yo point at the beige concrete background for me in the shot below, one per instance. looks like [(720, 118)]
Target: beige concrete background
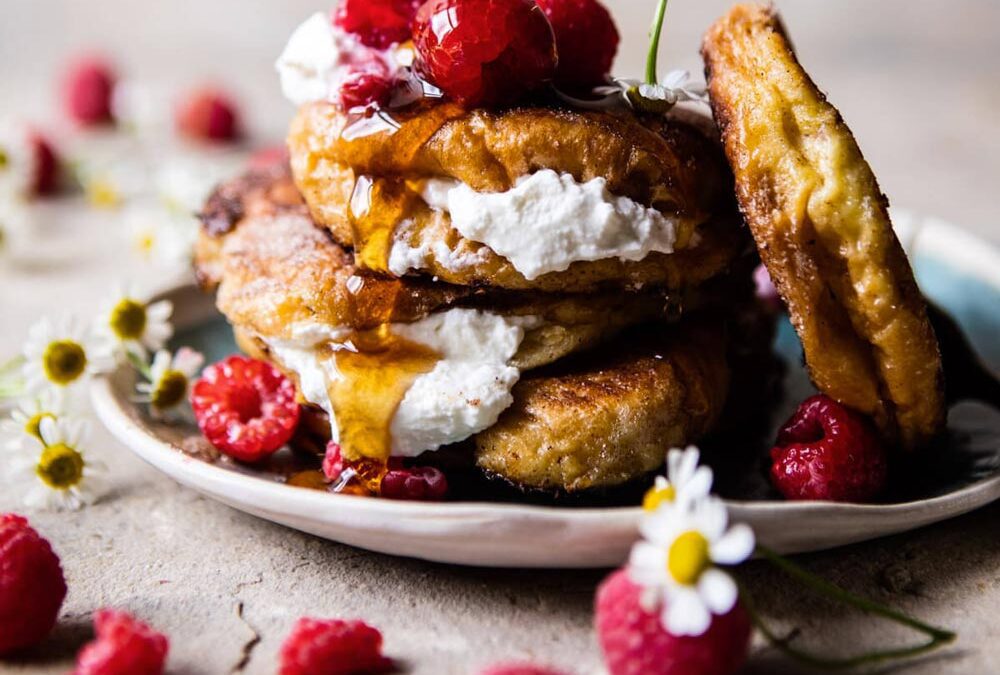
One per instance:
[(918, 80)]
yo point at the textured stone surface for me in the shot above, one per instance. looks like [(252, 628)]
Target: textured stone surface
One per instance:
[(227, 587)]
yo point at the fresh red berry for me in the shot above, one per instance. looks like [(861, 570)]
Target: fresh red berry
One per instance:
[(377, 23), (87, 88), (32, 587), (366, 85), (246, 408), (484, 52), (419, 483), (269, 157), (333, 462), (586, 40), (635, 643), (828, 452), (520, 669), (124, 646), (45, 180), (208, 115), (333, 647)]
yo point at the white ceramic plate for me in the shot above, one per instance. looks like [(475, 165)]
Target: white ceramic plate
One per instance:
[(955, 269)]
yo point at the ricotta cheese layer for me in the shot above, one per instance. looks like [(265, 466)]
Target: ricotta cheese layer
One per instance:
[(548, 221), (464, 394)]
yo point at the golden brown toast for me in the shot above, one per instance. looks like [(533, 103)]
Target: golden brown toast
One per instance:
[(822, 228)]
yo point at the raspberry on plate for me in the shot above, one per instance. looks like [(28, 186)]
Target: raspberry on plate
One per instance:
[(209, 115), (87, 88), (634, 642), (484, 52), (377, 23), (246, 408), (124, 646), (586, 40), (418, 483), (32, 586), (333, 647), (826, 451)]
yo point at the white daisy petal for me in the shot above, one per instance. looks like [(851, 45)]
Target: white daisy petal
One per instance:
[(734, 546), (718, 590), (700, 484), (48, 430), (686, 614)]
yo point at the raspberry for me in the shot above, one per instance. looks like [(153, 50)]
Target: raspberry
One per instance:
[(269, 157), (635, 643), (87, 90), (332, 647), (124, 646), (366, 85), (377, 23), (333, 462), (586, 40), (208, 115), (45, 180), (826, 451), (484, 52), (419, 483), (246, 408), (520, 669), (32, 587)]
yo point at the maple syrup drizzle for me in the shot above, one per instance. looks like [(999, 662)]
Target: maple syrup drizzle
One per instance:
[(370, 373), (377, 208)]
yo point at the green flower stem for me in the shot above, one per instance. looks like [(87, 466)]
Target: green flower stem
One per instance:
[(654, 42), (11, 381), (936, 636), (140, 365)]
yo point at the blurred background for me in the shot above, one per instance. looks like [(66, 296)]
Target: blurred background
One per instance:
[(917, 80)]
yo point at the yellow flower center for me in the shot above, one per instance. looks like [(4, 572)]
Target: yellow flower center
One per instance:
[(33, 427), (64, 361), (3, 159), (128, 319), (145, 242), (102, 194), (60, 467), (170, 390), (656, 496), (688, 557)]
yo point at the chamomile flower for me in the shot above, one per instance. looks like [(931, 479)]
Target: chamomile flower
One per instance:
[(685, 481), (65, 478), (61, 354), (134, 325), (675, 563), (22, 429), (160, 236), (170, 378)]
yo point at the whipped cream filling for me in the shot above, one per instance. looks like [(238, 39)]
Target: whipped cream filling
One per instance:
[(545, 223), (319, 56), (464, 394)]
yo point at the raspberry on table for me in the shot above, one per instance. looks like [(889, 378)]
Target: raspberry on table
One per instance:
[(333, 647), (32, 586), (586, 40), (826, 451), (635, 643), (418, 483), (377, 23), (123, 646), (87, 89), (45, 180), (208, 115), (492, 52), (246, 408)]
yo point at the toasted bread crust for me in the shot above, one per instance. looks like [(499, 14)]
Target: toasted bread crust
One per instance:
[(666, 164), (822, 228)]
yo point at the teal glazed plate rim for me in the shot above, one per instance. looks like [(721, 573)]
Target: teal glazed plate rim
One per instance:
[(957, 270)]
